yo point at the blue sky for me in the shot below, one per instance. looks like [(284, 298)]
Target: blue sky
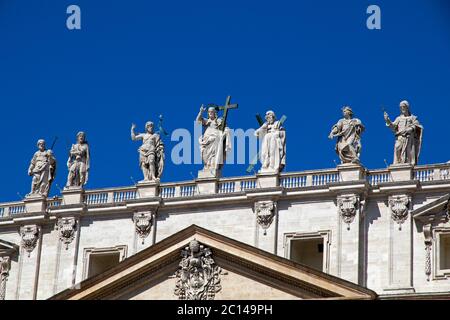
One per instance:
[(133, 60)]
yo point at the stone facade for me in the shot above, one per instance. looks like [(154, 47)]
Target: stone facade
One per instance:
[(380, 228)]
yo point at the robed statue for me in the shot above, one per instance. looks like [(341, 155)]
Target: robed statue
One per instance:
[(42, 169), (151, 152), (78, 162), (273, 144), (408, 136), (348, 133), (214, 143)]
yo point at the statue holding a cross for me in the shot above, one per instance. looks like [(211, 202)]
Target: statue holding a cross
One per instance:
[(273, 144), (215, 141)]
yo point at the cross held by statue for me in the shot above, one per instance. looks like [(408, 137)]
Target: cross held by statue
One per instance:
[(225, 109)]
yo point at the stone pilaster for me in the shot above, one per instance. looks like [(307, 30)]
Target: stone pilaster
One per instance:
[(400, 245), (67, 252), (350, 207), (351, 193), (31, 236)]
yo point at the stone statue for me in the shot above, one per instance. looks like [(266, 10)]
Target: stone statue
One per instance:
[(348, 133), (408, 135), (273, 145), (151, 152), (42, 169), (78, 162), (214, 143)]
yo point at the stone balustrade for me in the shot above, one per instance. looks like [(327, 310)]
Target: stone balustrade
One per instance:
[(186, 189)]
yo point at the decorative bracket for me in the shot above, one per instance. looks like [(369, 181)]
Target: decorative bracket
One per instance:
[(399, 206), (67, 228), (143, 222), (30, 236), (348, 205), (265, 212)]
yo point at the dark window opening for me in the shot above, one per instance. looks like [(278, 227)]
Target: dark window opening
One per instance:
[(100, 262), (444, 254), (308, 252)]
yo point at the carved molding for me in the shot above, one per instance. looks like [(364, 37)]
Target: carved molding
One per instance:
[(447, 212), (348, 205), (67, 228), (5, 265), (265, 212), (427, 232), (198, 276), (399, 206), (30, 236), (143, 222)]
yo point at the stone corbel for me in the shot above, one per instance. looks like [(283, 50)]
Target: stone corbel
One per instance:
[(399, 206), (348, 206), (30, 236), (67, 227), (143, 222), (265, 212)]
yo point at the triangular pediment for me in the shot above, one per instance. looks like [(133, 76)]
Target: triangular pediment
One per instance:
[(8, 248), (434, 211), (196, 262)]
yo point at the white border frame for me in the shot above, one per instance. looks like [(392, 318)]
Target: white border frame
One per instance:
[(122, 250), (324, 235)]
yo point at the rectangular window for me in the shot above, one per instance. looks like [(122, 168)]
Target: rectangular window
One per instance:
[(311, 249), (308, 252), (444, 251), (100, 262)]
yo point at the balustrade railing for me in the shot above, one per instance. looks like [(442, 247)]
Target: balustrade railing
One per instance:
[(432, 172), (124, 195), (290, 180), (376, 177), (16, 209), (96, 198), (52, 203), (322, 179)]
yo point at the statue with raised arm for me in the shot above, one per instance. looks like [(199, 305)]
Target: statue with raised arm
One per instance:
[(42, 169), (273, 144), (215, 141), (408, 135), (151, 152), (348, 133), (78, 162)]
